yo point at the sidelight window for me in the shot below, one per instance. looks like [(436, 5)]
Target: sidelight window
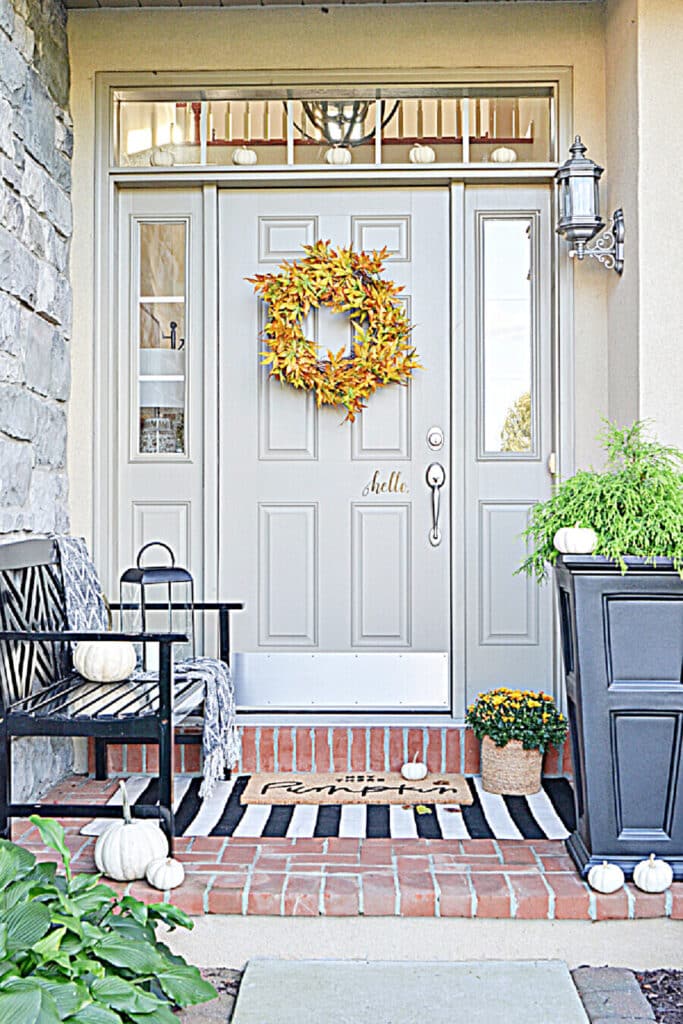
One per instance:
[(161, 349), (507, 336)]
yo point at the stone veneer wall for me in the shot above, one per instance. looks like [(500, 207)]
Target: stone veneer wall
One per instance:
[(36, 143)]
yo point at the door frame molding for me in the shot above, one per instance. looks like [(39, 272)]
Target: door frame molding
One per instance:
[(108, 182)]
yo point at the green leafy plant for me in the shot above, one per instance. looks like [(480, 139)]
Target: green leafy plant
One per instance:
[(504, 714), (71, 950), (635, 505)]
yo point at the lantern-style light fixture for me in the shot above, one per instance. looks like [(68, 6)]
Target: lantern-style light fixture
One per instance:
[(580, 221), (343, 122), (157, 597)]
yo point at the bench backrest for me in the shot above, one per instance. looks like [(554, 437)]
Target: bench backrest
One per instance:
[(31, 598)]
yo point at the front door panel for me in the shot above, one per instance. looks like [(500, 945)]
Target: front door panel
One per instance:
[(325, 524)]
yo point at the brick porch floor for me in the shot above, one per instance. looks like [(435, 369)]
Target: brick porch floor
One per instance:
[(372, 877)]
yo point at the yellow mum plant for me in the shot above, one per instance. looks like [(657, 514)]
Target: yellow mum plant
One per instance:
[(525, 715)]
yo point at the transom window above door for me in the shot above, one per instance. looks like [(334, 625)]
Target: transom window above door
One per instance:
[(328, 126)]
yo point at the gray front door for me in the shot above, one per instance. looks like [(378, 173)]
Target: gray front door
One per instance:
[(325, 525)]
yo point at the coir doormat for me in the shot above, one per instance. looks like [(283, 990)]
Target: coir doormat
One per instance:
[(285, 788)]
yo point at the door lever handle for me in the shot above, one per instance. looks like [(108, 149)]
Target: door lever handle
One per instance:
[(436, 478)]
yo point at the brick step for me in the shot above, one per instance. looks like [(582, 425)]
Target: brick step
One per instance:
[(337, 877), (332, 748)]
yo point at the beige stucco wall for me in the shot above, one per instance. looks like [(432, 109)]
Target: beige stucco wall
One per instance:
[(621, 189), (439, 36), (660, 84)]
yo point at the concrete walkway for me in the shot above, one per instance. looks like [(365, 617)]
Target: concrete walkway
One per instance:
[(343, 992)]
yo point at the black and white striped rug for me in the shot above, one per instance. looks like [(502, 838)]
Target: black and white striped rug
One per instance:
[(546, 815)]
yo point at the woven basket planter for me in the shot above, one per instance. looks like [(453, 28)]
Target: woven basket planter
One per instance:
[(510, 770)]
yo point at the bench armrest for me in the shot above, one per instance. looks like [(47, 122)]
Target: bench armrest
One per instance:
[(222, 607)]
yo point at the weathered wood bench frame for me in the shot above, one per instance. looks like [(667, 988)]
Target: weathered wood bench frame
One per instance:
[(37, 683)]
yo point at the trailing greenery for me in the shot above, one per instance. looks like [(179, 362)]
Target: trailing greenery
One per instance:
[(71, 950), (635, 505), (523, 715)]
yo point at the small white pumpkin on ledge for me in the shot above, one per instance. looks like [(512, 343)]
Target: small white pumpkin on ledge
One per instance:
[(414, 771), (165, 873), (606, 877), (244, 157), (126, 847), (104, 661), (504, 155), (339, 156), (653, 875), (575, 540), (420, 154)]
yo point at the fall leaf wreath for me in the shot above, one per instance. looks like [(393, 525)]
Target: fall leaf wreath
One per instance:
[(347, 282)]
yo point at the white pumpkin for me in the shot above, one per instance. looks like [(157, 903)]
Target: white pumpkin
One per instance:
[(420, 154), (104, 661), (653, 875), (414, 770), (126, 848), (165, 873), (338, 155), (575, 540), (162, 157), (606, 877), (245, 157), (504, 155)]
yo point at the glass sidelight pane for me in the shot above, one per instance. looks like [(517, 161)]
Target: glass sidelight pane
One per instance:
[(507, 336), (162, 350)]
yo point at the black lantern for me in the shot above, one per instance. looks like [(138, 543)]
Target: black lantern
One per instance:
[(579, 215), (157, 598)]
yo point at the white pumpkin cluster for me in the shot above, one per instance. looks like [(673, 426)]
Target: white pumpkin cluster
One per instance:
[(137, 848), (651, 875)]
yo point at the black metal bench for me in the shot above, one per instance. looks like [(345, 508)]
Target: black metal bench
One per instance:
[(42, 695)]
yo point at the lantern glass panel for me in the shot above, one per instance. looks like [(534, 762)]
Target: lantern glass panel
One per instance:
[(584, 197), (138, 616)]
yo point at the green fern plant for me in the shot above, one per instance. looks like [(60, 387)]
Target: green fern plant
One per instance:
[(635, 505)]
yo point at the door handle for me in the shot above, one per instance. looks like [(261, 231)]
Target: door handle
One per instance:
[(436, 478)]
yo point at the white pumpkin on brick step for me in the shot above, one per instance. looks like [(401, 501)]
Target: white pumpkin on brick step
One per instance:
[(165, 873), (420, 154), (606, 877), (339, 156), (414, 771), (126, 848), (104, 661), (575, 540), (653, 875), (245, 157)]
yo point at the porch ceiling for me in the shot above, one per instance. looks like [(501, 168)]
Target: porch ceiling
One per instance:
[(94, 4)]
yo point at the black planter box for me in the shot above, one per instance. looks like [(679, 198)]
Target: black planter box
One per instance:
[(622, 646)]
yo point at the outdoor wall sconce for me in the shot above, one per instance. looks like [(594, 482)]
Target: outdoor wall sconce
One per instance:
[(580, 221)]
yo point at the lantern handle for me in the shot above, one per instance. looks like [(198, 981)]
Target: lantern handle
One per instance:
[(154, 544)]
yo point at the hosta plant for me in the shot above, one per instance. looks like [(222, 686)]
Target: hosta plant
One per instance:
[(525, 715), (71, 950), (635, 505)]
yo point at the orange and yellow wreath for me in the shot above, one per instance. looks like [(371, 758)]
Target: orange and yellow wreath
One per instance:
[(346, 282)]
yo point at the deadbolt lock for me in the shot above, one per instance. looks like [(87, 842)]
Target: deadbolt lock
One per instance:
[(435, 438)]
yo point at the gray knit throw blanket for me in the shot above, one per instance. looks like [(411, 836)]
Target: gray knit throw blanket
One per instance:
[(86, 612)]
